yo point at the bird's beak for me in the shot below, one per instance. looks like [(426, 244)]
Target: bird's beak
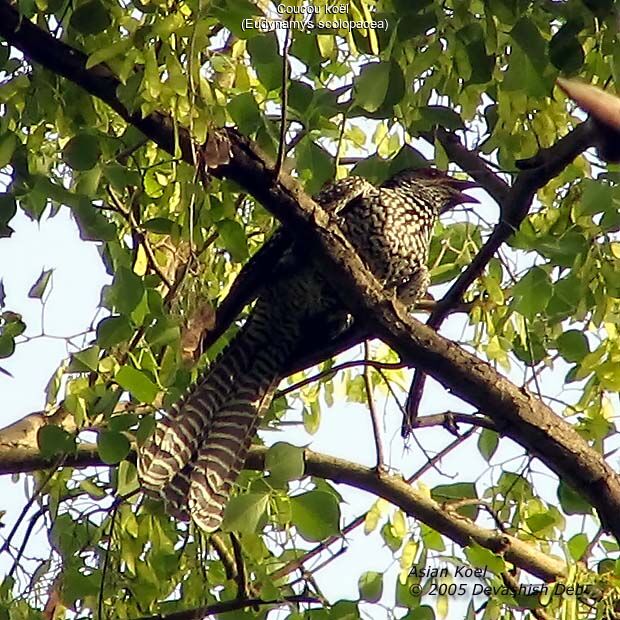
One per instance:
[(460, 197)]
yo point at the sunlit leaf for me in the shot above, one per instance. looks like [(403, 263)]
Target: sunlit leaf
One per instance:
[(138, 383)]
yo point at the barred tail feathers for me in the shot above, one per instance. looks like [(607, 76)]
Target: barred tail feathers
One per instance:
[(225, 446), (181, 429), (221, 460)]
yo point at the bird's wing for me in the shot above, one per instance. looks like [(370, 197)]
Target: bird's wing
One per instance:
[(336, 196)]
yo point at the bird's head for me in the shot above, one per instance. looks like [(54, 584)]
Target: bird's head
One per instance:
[(437, 188)]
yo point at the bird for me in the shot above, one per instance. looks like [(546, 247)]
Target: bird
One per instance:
[(200, 444)]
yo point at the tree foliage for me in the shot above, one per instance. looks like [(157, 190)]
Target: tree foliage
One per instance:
[(104, 106)]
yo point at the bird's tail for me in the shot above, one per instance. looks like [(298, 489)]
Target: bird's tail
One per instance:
[(202, 488), (200, 445), (223, 455), (180, 429)]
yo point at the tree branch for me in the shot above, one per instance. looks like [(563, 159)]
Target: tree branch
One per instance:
[(451, 419), (391, 487)]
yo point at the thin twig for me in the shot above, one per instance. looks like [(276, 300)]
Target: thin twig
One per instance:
[(59, 462), (106, 559), (140, 235), (284, 105), (371, 407), (450, 419), (337, 368), (33, 521), (242, 583), (590, 548)]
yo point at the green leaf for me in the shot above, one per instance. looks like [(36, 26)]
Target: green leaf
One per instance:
[(245, 513), (397, 86), (85, 361), (596, 197), (122, 422), (110, 51), (300, 96), (540, 521), (423, 612), (316, 515), (232, 16), (572, 502), (285, 462), (532, 293), (145, 429), (314, 158), (573, 345), (92, 490), (90, 18), (487, 443), (137, 382), (233, 238), (8, 209), (523, 76), (5, 54), (528, 37), (577, 545), (8, 142), (126, 478), (370, 585), (262, 49), (245, 113), (160, 225), (112, 330), (481, 63), (13, 324), (121, 177), (81, 152), (113, 447), (37, 290), (266, 60), (311, 417), (391, 537), (93, 225), (459, 490), (165, 26), (371, 86), (54, 440), (439, 115), (481, 557), (163, 332), (127, 290), (415, 25), (565, 51), (431, 538), (404, 596)]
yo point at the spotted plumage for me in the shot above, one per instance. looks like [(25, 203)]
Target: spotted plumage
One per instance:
[(200, 444)]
